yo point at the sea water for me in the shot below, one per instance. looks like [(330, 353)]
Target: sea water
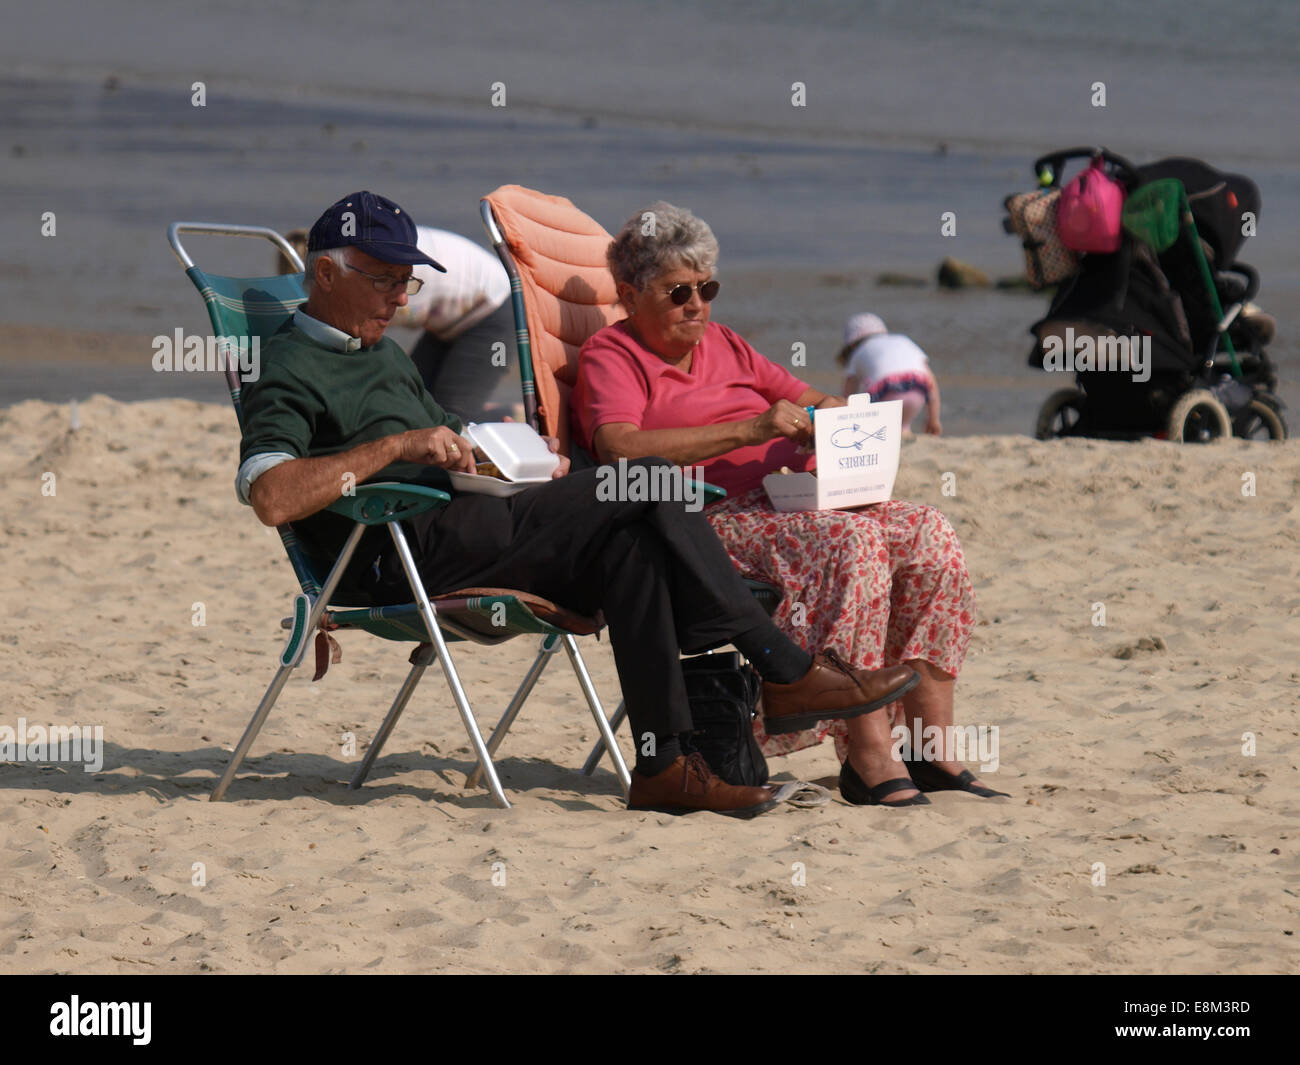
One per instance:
[(823, 142)]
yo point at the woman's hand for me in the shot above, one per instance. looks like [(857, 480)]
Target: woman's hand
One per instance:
[(785, 419), (437, 447), (563, 467)]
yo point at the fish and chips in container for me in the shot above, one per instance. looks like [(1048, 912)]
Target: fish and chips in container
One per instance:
[(511, 456)]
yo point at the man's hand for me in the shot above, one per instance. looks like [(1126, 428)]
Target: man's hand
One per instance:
[(437, 447), (563, 467), (785, 419)]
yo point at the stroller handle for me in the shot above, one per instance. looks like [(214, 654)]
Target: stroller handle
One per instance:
[(1056, 161), (1252, 279)]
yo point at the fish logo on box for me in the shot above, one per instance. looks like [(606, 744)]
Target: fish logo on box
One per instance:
[(855, 436)]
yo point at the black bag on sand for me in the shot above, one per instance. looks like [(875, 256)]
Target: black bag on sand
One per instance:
[(723, 693)]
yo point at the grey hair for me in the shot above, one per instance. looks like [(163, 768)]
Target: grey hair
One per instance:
[(658, 238), (338, 256)]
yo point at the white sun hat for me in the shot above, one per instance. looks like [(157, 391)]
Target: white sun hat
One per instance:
[(861, 326)]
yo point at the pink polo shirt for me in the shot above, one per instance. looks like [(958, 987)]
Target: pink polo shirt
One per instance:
[(620, 380)]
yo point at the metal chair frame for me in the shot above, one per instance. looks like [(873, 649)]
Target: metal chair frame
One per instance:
[(385, 504)]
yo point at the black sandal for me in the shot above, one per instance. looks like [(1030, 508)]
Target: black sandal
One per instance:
[(855, 791), (929, 777)]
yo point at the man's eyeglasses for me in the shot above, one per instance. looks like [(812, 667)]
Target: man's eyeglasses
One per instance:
[(388, 284), (681, 294)]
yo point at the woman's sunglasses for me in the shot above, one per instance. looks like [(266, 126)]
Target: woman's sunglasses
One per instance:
[(681, 294)]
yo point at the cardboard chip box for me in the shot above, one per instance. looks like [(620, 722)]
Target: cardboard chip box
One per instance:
[(857, 450)]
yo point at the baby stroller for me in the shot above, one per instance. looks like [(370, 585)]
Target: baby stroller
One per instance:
[(1172, 296)]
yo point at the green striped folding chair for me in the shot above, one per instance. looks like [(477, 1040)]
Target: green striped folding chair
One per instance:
[(561, 292), (243, 308)]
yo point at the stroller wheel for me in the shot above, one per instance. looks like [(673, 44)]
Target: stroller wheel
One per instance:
[(1198, 418), (1061, 414), (1259, 421)]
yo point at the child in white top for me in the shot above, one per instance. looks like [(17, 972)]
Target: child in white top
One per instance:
[(889, 366)]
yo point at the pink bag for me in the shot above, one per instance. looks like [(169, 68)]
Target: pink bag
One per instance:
[(1088, 213)]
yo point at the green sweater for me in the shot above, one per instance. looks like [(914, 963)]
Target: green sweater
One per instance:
[(311, 400)]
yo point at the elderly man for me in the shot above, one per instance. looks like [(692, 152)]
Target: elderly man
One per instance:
[(336, 399), (464, 317)]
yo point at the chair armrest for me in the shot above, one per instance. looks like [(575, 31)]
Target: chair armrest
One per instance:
[(378, 504)]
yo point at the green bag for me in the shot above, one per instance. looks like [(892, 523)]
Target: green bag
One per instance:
[(1154, 213)]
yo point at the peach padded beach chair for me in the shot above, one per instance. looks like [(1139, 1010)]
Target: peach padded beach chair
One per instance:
[(561, 292), (256, 307)]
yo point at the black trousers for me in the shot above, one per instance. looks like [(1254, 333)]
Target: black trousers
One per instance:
[(656, 571)]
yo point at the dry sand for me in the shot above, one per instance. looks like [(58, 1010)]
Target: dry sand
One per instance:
[(1121, 745)]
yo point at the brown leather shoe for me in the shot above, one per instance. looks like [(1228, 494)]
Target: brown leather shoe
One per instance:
[(689, 784), (830, 690)]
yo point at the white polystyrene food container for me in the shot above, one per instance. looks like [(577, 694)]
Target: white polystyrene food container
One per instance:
[(516, 449)]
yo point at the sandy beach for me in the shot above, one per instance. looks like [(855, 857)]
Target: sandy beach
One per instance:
[(1121, 744), (1138, 603)]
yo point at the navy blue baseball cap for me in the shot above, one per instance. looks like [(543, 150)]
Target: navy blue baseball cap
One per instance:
[(375, 225)]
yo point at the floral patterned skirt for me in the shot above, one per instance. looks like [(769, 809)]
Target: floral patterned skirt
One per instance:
[(881, 585)]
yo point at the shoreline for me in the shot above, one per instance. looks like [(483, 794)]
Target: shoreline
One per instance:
[(81, 364)]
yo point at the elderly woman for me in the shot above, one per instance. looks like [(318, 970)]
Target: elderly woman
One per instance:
[(881, 584)]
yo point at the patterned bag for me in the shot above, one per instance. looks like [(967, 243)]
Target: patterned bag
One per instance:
[(1032, 217), (723, 692)]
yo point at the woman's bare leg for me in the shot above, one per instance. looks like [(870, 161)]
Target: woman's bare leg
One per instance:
[(871, 753), (931, 703)]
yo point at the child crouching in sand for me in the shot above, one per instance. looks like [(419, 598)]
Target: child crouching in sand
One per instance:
[(889, 366)]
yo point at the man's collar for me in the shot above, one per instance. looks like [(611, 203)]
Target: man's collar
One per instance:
[(325, 335)]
